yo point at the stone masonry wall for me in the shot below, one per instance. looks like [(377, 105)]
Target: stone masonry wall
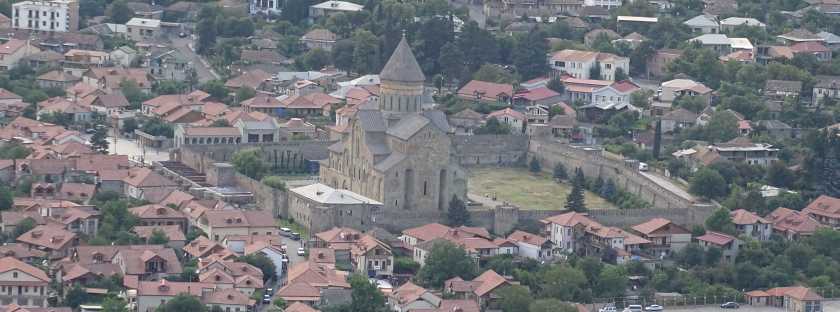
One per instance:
[(267, 198), (291, 155), (594, 165), (501, 150), (501, 220)]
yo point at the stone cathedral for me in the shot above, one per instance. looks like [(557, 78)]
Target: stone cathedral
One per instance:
[(396, 152)]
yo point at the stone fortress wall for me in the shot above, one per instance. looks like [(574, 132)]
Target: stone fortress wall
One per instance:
[(479, 150)]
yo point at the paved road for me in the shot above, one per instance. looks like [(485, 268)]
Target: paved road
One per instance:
[(668, 185), (135, 151), (204, 71), (291, 248)]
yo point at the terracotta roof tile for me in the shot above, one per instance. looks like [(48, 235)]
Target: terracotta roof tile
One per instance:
[(427, 232), (10, 263), (716, 238)]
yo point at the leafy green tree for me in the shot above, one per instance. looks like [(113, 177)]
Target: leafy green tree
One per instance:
[(14, 150), (534, 166), (529, 54), (280, 303), (132, 93), (405, 265), (445, 261), (365, 52), (158, 238), (244, 93), (479, 44), (75, 297), (620, 74), (563, 282), (295, 11), (7, 198), (609, 190), (612, 281), (24, 226), (708, 183), (99, 140), (116, 223), (206, 30), (720, 221), (316, 59), (451, 62), (216, 89), (181, 303), (493, 126), (494, 73), (249, 163), (275, 182), (550, 305), (158, 127), (513, 298), (691, 255), (342, 54), (713, 256), (780, 176), (263, 263), (365, 296), (457, 214), (722, 127), (129, 125), (120, 13), (114, 304), (434, 33)]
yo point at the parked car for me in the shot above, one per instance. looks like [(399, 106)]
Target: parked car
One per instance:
[(654, 307), (301, 251), (729, 305), (286, 230), (266, 298), (295, 236), (635, 308), (608, 308)]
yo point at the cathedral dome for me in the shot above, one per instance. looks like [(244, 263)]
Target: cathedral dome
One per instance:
[(402, 66)]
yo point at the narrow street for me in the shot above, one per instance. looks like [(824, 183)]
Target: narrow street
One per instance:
[(291, 252), (204, 71)]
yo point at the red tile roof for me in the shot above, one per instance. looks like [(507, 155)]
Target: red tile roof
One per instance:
[(427, 232), (824, 206), (48, 236), (809, 47), (797, 292), (10, 263), (527, 238), (743, 217), (487, 90), (507, 112), (792, 221), (537, 94), (716, 238)]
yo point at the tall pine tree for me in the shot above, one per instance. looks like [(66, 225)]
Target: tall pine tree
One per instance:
[(575, 201), (457, 214), (657, 139)]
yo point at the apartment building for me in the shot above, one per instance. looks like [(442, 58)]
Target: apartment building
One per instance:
[(22, 284), (579, 64), (52, 15)]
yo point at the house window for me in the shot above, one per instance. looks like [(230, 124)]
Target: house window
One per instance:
[(14, 274)]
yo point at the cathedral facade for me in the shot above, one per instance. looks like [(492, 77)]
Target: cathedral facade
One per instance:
[(397, 153)]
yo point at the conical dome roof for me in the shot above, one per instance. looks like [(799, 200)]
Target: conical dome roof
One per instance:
[(402, 66)]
